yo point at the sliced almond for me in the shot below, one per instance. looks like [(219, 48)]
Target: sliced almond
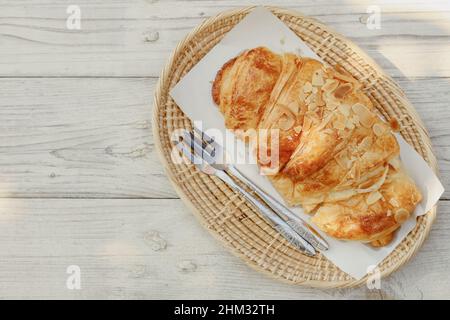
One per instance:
[(328, 131), (319, 99), (353, 202), (352, 170), (298, 129), (384, 241), (359, 108), (344, 78), (373, 197), (331, 105), (340, 195), (285, 118), (329, 72), (363, 188), (312, 106), (268, 171), (395, 163), (355, 120), (341, 145), (307, 123), (367, 122), (395, 125), (310, 98), (340, 69), (401, 215), (342, 90), (340, 125), (286, 122), (302, 97), (355, 171), (349, 125), (378, 129), (365, 185), (345, 183), (342, 159), (344, 109), (389, 212)]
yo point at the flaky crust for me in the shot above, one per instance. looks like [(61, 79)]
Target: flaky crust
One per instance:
[(243, 86), (337, 158)]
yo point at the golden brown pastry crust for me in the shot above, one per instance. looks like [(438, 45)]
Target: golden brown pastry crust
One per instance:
[(243, 86), (337, 158)]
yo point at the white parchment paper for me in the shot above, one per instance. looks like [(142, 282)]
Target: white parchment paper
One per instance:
[(193, 95)]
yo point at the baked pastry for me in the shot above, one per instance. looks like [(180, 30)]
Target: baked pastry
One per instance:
[(336, 157)]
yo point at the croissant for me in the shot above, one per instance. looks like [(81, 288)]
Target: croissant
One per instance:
[(336, 157)]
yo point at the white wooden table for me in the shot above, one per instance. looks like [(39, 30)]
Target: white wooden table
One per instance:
[(80, 183)]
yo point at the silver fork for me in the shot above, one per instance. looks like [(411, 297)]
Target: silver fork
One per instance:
[(209, 150), (277, 223)]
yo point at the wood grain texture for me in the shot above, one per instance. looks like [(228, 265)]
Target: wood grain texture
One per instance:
[(113, 243), (91, 138), (135, 37)]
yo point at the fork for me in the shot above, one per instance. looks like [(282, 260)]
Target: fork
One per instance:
[(277, 223), (209, 150)]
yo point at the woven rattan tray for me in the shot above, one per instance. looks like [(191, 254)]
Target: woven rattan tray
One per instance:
[(225, 214)]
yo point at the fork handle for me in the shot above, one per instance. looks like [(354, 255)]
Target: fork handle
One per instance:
[(278, 223), (294, 221)]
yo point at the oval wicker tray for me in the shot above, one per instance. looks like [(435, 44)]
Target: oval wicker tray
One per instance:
[(227, 215)]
